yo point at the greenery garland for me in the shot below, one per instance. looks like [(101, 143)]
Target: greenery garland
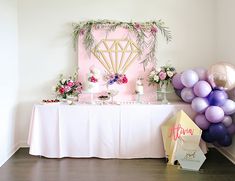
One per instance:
[(152, 27)]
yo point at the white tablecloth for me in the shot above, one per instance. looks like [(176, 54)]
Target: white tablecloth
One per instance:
[(105, 131)]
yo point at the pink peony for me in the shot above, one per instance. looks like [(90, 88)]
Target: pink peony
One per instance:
[(93, 79), (124, 80), (77, 83), (162, 75), (153, 30), (137, 26), (67, 88), (82, 31), (79, 90), (61, 90), (70, 84)]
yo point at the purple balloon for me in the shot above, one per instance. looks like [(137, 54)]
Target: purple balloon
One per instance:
[(217, 97), (227, 121), (178, 92), (229, 107), (231, 129), (206, 136), (187, 94), (189, 78), (202, 122), (214, 114), (226, 141), (202, 88), (217, 131), (199, 104), (176, 81), (201, 72)]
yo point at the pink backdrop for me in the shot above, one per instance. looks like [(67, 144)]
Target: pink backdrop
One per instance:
[(126, 91)]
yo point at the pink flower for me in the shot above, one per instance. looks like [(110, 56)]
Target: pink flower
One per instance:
[(61, 90), (137, 26), (82, 31), (153, 30), (67, 88), (124, 80), (77, 83), (79, 90), (162, 75), (93, 79), (70, 84)]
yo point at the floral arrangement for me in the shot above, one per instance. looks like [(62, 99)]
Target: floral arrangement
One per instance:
[(94, 74), (162, 75), (142, 30), (68, 86), (115, 78)]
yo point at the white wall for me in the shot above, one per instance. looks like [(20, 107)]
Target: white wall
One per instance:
[(8, 79), (225, 46), (46, 44)]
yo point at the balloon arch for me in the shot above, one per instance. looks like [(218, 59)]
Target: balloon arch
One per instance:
[(206, 90)]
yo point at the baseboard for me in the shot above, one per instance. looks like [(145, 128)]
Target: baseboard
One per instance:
[(9, 155), (226, 154), (24, 144)]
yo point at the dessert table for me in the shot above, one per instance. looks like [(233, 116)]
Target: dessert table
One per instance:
[(104, 131)]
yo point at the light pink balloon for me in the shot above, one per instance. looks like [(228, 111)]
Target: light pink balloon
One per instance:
[(201, 72), (227, 121)]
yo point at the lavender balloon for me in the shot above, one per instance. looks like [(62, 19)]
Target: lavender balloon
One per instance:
[(227, 121), (199, 104), (231, 129), (229, 107), (214, 114), (217, 97), (187, 94), (189, 78), (202, 122), (176, 81), (201, 72), (202, 88)]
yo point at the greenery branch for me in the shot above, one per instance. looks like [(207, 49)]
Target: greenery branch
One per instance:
[(141, 30)]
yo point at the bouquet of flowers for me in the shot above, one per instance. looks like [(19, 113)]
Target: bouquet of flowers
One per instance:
[(115, 78), (68, 86), (161, 76)]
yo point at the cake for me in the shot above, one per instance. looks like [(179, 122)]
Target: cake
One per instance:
[(139, 87), (92, 85)]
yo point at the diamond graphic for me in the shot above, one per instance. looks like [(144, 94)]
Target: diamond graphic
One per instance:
[(116, 55)]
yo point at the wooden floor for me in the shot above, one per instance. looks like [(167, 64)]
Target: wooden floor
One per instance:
[(24, 167)]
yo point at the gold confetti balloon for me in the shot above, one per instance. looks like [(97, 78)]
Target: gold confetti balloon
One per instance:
[(222, 75)]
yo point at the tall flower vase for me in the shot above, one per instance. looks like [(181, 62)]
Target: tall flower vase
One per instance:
[(162, 94)]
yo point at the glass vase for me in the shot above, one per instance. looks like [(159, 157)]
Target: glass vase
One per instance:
[(162, 94)]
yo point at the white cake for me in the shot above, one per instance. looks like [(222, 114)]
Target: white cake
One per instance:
[(92, 87), (139, 89)]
